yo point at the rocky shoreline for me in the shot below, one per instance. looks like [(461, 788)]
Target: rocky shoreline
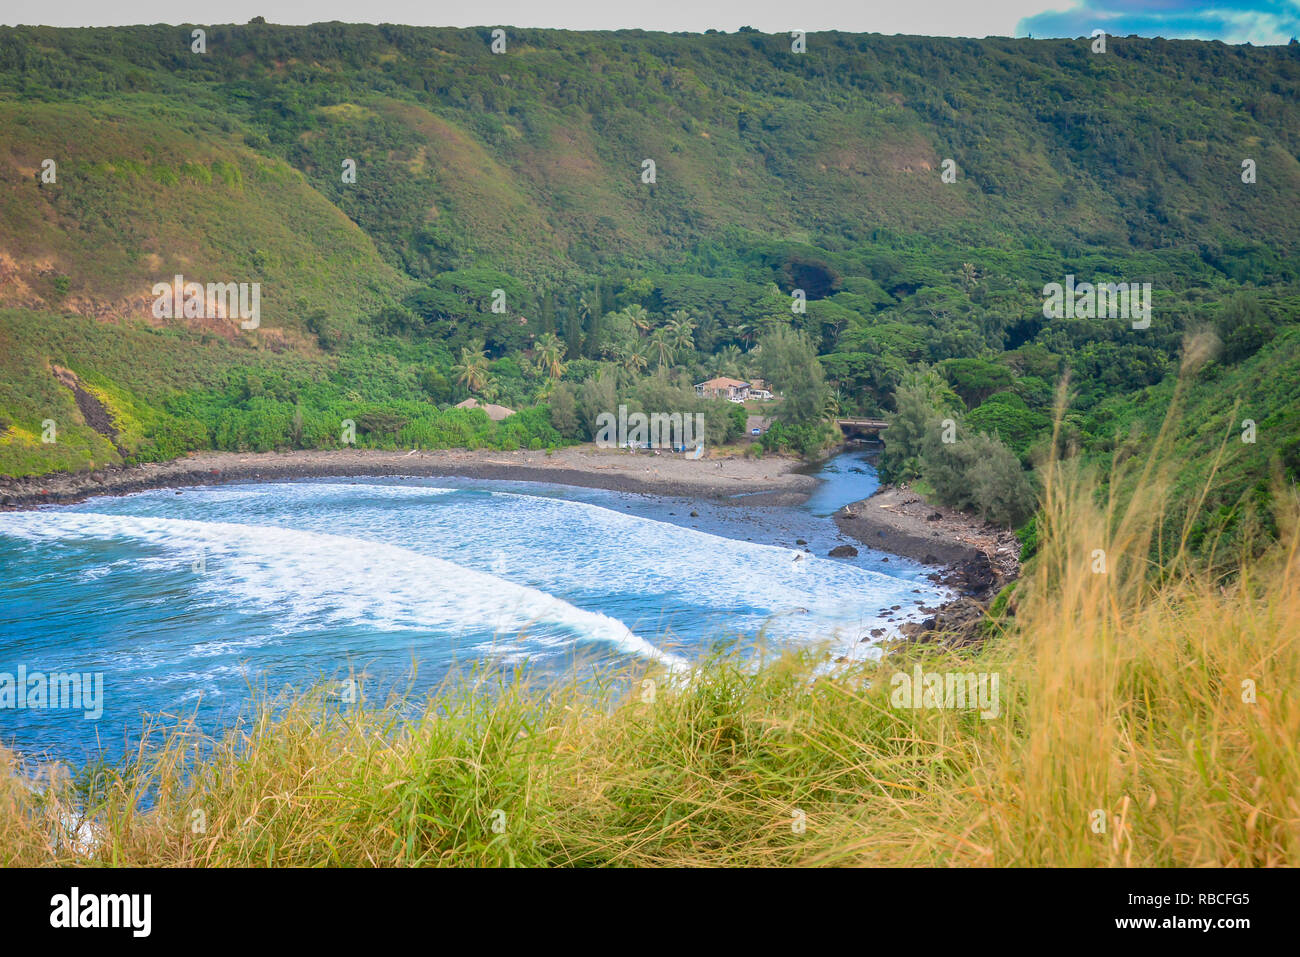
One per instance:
[(979, 559)]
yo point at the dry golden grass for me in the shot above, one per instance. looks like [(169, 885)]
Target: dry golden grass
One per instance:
[(1147, 716)]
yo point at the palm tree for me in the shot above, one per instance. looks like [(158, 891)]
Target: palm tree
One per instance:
[(660, 343), (550, 354), (707, 331), (727, 360), (680, 329), (830, 410), (633, 359), (472, 371), (640, 318), (749, 332)]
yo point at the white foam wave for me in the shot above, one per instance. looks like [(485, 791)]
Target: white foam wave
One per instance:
[(313, 578), (652, 574), (806, 597), (315, 490)]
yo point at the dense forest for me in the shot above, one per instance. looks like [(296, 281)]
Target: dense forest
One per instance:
[(584, 220)]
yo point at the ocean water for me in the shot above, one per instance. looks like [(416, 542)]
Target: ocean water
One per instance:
[(191, 601)]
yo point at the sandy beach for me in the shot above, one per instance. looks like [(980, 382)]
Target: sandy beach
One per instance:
[(771, 480)]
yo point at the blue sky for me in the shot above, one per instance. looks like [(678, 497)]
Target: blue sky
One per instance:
[(1233, 21)]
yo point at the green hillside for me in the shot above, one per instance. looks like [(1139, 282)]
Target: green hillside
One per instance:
[(142, 194), (522, 172), (532, 157)]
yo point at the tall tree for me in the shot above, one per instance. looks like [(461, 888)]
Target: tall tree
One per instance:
[(633, 359), (680, 331), (661, 346), (572, 329), (638, 316), (547, 323), (789, 363), (550, 355), (472, 370)]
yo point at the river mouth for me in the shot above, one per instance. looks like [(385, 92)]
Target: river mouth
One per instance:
[(193, 601)]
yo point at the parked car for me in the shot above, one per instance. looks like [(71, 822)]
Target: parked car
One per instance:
[(755, 431)]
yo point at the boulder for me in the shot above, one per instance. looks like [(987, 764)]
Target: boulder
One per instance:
[(915, 629), (976, 576)]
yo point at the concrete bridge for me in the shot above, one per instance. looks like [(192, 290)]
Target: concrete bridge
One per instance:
[(857, 427)]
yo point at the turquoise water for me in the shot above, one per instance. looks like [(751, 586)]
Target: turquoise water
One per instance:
[(187, 601)]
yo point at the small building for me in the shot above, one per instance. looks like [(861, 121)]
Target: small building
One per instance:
[(494, 412), (723, 388)]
